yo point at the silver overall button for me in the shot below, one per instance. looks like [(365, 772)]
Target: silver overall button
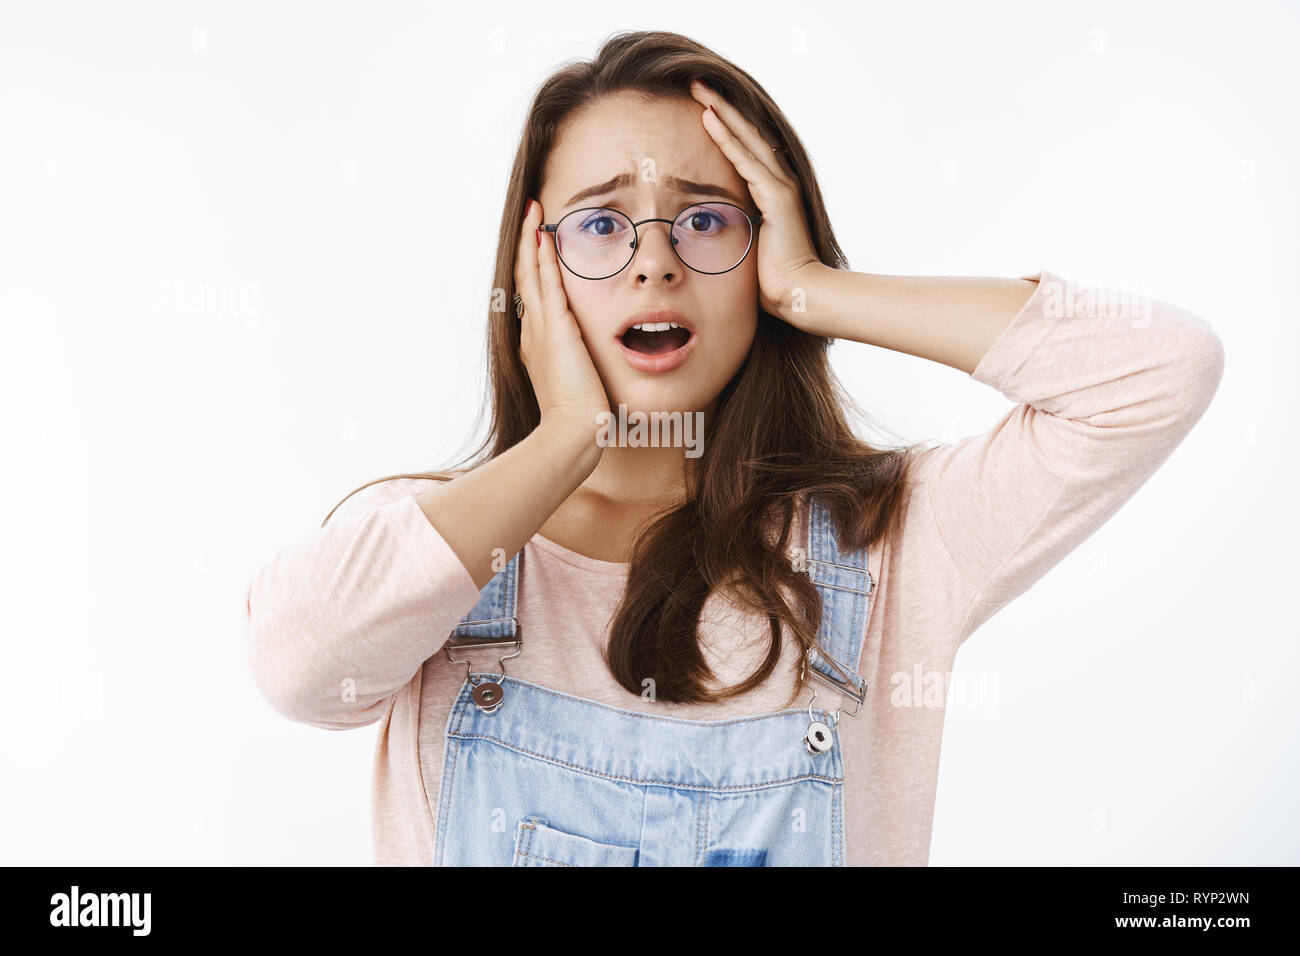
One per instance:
[(818, 740), (487, 696)]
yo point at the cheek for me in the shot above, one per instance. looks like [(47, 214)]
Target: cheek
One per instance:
[(738, 338), (741, 310), (590, 303)]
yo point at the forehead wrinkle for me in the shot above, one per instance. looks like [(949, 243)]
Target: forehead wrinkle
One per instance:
[(636, 136), (674, 184)]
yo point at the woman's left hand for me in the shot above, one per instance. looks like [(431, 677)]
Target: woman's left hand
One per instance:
[(787, 261)]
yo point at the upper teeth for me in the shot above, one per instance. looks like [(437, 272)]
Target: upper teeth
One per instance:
[(655, 326)]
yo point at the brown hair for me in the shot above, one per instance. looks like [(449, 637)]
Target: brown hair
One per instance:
[(778, 430)]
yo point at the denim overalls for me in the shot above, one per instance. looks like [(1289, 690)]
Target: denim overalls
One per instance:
[(534, 777)]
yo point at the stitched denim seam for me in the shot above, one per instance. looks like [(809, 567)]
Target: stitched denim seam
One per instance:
[(449, 753), (699, 814), (708, 826), (635, 781), (507, 679), (526, 844), (544, 859), (839, 830)]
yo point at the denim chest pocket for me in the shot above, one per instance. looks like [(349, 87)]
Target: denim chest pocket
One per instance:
[(538, 844)]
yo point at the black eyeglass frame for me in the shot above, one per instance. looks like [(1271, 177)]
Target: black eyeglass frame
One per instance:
[(755, 219)]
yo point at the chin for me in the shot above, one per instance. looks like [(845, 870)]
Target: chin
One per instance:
[(643, 401)]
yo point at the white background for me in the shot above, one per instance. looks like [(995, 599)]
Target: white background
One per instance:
[(329, 179)]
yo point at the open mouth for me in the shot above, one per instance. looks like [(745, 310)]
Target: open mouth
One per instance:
[(656, 338)]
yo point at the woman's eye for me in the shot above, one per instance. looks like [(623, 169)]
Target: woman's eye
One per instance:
[(700, 221), (600, 226)]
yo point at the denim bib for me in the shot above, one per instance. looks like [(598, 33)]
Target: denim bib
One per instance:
[(535, 777)]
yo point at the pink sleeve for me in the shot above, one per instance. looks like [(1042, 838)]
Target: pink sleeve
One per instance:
[(1106, 395), (340, 620)]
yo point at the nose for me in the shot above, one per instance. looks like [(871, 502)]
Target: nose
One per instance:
[(654, 254)]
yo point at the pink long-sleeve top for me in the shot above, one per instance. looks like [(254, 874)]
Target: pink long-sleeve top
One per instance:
[(372, 596)]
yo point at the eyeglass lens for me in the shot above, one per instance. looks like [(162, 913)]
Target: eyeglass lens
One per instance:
[(709, 237)]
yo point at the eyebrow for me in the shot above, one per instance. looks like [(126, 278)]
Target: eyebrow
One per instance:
[(684, 186)]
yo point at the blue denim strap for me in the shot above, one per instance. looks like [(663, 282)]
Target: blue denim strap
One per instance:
[(846, 586), (494, 614)]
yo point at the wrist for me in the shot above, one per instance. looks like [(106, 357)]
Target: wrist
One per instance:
[(803, 302), (571, 435)]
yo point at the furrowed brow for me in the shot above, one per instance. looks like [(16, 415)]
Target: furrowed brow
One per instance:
[(688, 188), (621, 181), (684, 187)]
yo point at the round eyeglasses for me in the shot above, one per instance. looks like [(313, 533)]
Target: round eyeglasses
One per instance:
[(598, 242)]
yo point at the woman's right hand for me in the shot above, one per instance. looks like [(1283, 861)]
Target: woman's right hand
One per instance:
[(551, 347)]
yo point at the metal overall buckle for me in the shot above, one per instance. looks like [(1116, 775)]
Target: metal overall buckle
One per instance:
[(819, 739), (487, 695)]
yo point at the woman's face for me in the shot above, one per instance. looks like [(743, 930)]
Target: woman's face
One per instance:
[(670, 162)]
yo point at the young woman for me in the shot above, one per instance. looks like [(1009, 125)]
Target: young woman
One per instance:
[(587, 649)]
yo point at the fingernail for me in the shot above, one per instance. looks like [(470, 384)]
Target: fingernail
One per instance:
[(539, 237)]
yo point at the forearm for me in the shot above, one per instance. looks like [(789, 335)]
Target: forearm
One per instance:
[(502, 503), (1105, 392), (949, 319)]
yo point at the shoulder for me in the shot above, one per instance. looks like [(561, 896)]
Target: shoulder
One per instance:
[(912, 537), (925, 459), (379, 492)]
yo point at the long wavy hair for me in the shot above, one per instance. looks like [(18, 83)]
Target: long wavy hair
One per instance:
[(778, 431)]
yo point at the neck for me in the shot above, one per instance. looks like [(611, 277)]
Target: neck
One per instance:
[(640, 477)]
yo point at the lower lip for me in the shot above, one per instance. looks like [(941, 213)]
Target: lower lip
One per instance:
[(664, 362)]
